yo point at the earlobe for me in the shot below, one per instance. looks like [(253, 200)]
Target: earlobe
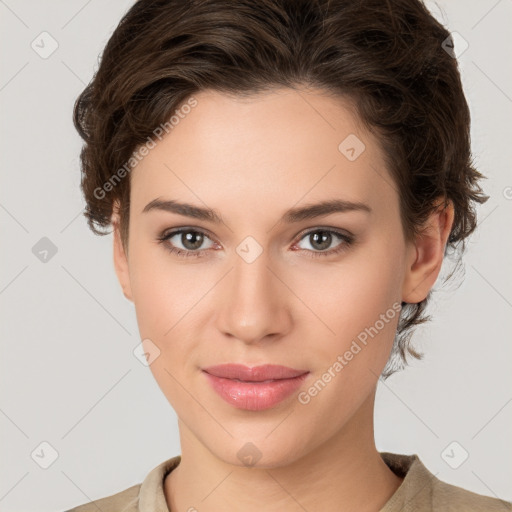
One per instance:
[(120, 259), (425, 256)]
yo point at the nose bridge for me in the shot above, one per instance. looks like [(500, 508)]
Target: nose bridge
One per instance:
[(252, 279), (251, 305), (251, 274)]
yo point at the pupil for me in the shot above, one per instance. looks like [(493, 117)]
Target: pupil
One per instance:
[(325, 236), (189, 240)]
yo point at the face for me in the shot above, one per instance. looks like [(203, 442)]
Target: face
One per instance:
[(260, 286)]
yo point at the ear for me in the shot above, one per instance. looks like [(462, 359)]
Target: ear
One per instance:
[(425, 255), (120, 258)]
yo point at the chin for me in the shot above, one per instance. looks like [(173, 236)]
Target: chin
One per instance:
[(261, 450)]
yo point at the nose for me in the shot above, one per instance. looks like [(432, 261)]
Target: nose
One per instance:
[(253, 302)]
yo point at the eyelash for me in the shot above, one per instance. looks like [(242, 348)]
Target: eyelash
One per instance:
[(348, 240)]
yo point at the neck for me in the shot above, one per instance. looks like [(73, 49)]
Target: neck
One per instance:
[(346, 473)]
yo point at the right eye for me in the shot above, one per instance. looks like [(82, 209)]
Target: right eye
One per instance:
[(190, 239)]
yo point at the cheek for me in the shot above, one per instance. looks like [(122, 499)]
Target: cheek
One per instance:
[(359, 300), (164, 291), (164, 297), (154, 299)]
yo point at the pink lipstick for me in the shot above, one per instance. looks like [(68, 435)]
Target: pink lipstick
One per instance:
[(256, 388)]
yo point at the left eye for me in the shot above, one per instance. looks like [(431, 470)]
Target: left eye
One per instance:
[(321, 239)]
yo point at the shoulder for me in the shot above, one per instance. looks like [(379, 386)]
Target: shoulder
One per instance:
[(450, 498), (147, 496), (123, 501), (422, 490)]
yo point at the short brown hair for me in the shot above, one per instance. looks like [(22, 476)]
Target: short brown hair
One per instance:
[(387, 57)]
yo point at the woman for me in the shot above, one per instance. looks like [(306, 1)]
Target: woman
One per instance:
[(284, 179)]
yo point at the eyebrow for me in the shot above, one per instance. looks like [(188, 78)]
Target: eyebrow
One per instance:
[(298, 214)]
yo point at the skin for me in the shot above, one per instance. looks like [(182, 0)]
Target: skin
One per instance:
[(251, 160)]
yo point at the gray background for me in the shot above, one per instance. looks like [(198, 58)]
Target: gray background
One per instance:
[(69, 377)]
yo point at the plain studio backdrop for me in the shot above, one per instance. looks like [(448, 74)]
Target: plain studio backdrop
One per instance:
[(71, 387)]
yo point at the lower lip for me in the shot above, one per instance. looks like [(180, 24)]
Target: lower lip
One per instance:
[(254, 396)]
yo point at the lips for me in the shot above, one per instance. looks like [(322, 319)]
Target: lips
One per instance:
[(254, 389), (255, 374)]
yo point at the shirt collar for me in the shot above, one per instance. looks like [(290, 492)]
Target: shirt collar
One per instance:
[(417, 484), (151, 493)]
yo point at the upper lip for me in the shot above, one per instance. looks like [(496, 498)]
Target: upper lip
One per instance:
[(255, 373)]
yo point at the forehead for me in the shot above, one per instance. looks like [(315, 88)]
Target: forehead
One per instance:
[(272, 148)]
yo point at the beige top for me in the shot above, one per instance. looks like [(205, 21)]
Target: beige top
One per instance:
[(419, 491)]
